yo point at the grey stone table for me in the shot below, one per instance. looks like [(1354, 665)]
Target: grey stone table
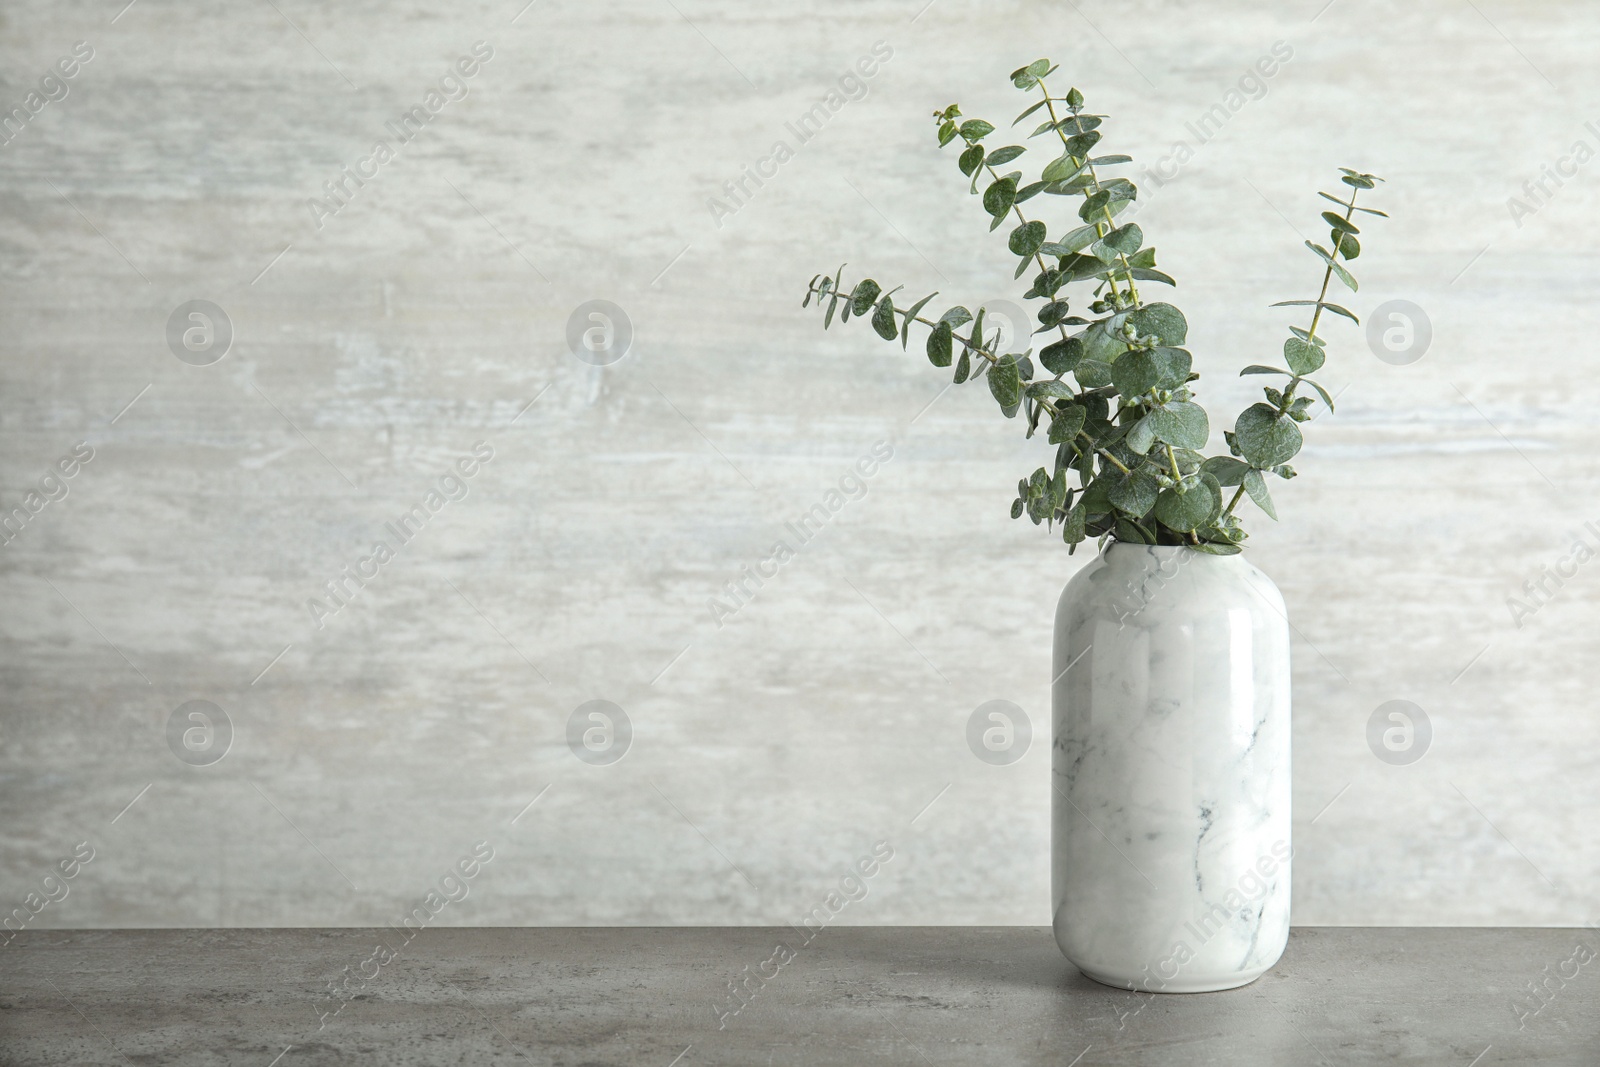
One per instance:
[(852, 995)]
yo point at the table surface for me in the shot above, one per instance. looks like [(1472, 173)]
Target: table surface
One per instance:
[(852, 995)]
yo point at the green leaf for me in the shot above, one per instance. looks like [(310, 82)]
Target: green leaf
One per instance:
[(1049, 388), (1266, 438), (1137, 372), (1212, 548), (1104, 253), (1063, 356), (1344, 276), (1038, 68), (963, 367), (1026, 239), (939, 345), (1080, 143), (1163, 321), (1058, 170), (1326, 399), (1109, 161), (1093, 204), (971, 159), (1101, 340), (1096, 498), (1067, 422), (1141, 436), (1304, 336), (1005, 383), (833, 302), (1225, 469), (1339, 222), (1030, 109), (1028, 192), (1134, 494), (1092, 373), (1074, 98), (1363, 210), (1180, 423), (947, 133), (1125, 239), (1132, 533), (956, 316), (1120, 189), (916, 309), (1072, 530), (1326, 257), (1256, 486), (1004, 155), (1349, 247), (883, 320), (1075, 241), (998, 198), (1145, 274), (1335, 308), (863, 296), (1052, 314), (1303, 358), (1257, 368), (975, 130), (1192, 510)]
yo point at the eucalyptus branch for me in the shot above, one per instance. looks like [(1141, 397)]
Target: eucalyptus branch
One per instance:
[(1094, 181), (1129, 428)]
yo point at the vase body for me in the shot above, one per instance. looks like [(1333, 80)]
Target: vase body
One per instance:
[(1170, 770)]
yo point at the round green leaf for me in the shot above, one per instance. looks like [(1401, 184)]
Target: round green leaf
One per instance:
[(1265, 438), (1125, 239), (1026, 239), (1001, 194), (1163, 320), (1303, 358), (1134, 494), (1141, 437), (1192, 510), (864, 296), (1067, 422), (1180, 424), (1063, 356)]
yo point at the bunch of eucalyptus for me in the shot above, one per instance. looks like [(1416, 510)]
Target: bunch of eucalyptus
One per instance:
[(1127, 425)]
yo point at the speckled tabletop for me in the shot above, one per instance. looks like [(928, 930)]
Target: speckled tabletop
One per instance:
[(851, 995)]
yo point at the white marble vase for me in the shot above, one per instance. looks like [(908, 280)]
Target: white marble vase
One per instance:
[(1170, 770)]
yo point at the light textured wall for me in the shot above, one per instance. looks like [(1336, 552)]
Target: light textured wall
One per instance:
[(830, 712)]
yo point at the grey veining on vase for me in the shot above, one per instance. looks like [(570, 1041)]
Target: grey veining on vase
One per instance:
[(1170, 770)]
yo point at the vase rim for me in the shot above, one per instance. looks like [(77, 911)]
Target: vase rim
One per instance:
[(1113, 543)]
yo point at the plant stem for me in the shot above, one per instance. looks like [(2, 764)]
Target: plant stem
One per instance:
[(1287, 399), (1133, 287)]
